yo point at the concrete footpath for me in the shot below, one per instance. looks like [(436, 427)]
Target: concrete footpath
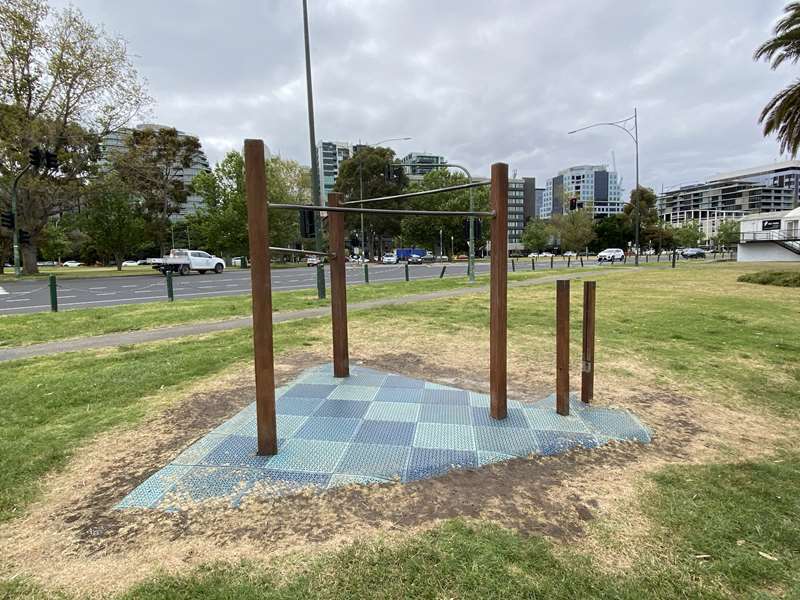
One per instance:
[(189, 329)]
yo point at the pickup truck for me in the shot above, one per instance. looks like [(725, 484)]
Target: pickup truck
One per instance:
[(182, 261)]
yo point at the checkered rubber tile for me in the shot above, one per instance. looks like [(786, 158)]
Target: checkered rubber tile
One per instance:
[(372, 427)]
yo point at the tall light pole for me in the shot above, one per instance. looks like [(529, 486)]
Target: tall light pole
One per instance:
[(361, 181), (623, 125), (315, 195)]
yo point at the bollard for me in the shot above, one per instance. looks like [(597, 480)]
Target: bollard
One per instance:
[(551, 262), (170, 291), (533, 264), (674, 254), (581, 259), (658, 258), (366, 273), (513, 266), (647, 258), (562, 347), (243, 262), (587, 362), (569, 261), (53, 293), (444, 268), (406, 271)]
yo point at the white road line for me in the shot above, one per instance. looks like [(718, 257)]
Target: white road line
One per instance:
[(128, 286), (107, 294), (99, 288), (65, 297), (18, 300), (3, 292)]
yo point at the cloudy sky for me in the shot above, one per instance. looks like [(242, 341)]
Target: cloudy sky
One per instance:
[(475, 81)]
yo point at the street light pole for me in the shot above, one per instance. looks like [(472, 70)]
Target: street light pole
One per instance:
[(622, 124), (315, 193), (15, 240)]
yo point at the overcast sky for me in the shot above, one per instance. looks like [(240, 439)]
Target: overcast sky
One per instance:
[(475, 81)]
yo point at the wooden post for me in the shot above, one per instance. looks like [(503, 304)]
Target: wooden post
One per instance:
[(498, 309), (341, 358), (258, 229), (562, 346), (587, 363)]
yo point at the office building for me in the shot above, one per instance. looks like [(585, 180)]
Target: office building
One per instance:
[(419, 164), (117, 142), (329, 156), (521, 208), (592, 187)]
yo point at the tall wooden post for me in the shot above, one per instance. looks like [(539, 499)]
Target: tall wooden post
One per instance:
[(498, 309), (258, 228), (341, 358), (587, 363), (562, 346)]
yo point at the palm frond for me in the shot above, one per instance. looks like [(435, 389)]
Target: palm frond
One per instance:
[(785, 46), (781, 116)]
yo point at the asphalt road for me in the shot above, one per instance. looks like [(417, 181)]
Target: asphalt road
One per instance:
[(34, 296)]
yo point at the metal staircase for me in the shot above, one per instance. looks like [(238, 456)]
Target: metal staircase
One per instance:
[(786, 238)]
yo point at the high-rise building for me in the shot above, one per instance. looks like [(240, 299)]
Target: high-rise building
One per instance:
[(419, 164), (116, 142), (521, 208), (592, 187), (330, 155)]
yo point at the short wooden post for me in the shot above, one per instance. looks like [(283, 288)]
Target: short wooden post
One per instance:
[(341, 358), (498, 307), (562, 346), (258, 229), (587, 362)]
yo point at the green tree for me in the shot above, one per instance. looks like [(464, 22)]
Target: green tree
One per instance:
[(575, 229), (222, 222), (614, 231), (65, 83), (151, 165), (55, 241), (687, 235), (728, 233), (781, 115), (424, 230), (645, 199), (364, 176), (112, 219), (537, 234)]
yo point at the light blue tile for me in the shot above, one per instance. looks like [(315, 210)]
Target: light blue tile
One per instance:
[(432, 462), (148, 493), (442, 413), (308, 455), (540, 418), (297, 406), (445, 396), (235, 451), (393, 411), (340, 479), (354, 392), (195, 453), (487, 458), (439, 386), (328, 429), (559, 442), (343, 409), (387, 394), (618, 424), (201, 483), (515, 417), (399, 381), (515, 441), (234, 423), (444, 436), (476, 399)]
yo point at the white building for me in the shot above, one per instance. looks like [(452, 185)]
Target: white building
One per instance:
[(770, 236), (329, 156), (592, 187)]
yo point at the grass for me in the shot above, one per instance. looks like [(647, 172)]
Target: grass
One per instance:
[(779, 278), (17, 330), (52, 405)]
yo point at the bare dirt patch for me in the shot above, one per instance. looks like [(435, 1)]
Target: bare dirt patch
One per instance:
[(73, 538)]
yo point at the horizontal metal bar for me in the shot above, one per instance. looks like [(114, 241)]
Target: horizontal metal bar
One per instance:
[(296, 251), (452, 188), (386, 211)]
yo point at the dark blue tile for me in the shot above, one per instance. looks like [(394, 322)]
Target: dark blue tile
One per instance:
[(347, 409), (309, 390), (514, 441), (374, 460), (443, 413), (236, 451), (398, 381), (392, 433), (297, 406), (558, 442), (449, 397), (428, 462), (515, 418), (328, 428)]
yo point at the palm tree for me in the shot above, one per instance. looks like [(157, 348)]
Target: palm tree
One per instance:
[(781, 115)]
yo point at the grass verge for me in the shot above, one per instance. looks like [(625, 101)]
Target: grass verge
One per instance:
[(779, 278)]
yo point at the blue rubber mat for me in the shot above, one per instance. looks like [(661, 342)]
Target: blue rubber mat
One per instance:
[(371, 427)]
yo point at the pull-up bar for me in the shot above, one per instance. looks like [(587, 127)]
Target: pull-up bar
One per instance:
[(452, 188), (296, 251), (386, 211)]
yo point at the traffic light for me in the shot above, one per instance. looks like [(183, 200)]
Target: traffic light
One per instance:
[(7, 219), (354, 243), (24, 237), (51, 161), (392, 172), (307, 229), (573, 203), (477, 229), (36, 157)]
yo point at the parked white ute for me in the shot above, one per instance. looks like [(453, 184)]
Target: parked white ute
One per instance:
[(182, 261)]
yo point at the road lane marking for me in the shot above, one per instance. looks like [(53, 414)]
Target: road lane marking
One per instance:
[(3, 292), (98, 288), (107, 294)]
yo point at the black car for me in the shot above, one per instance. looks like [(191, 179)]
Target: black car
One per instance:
[(693, 253)]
